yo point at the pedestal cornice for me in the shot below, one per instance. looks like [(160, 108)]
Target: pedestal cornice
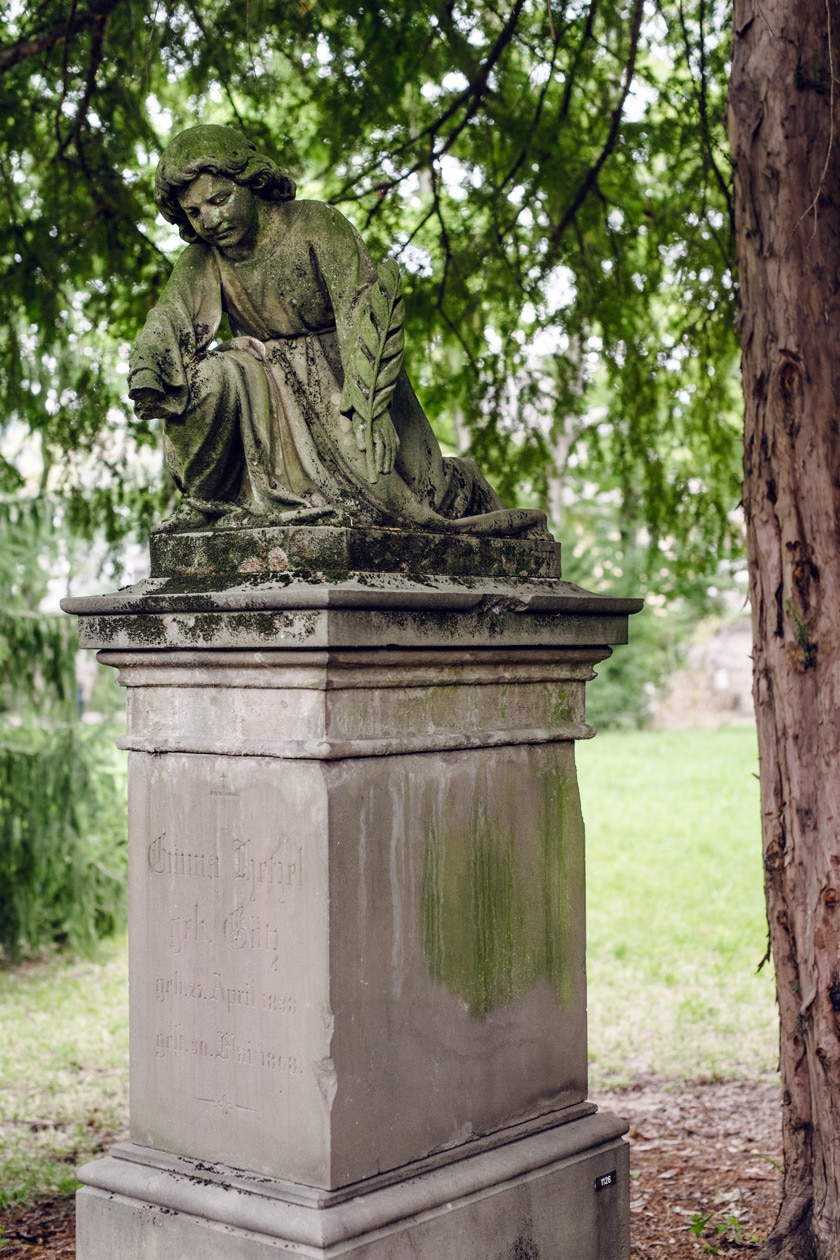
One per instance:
[(331, 704), (365, 611)]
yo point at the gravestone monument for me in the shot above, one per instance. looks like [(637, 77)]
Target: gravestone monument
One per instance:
[(354, 681)]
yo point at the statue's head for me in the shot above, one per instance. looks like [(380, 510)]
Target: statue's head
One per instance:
[(219, 151)]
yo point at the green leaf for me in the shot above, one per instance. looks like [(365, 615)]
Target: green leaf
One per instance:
[(381, 305), (394, 344), (365, 371), (383, 402), (388, 373), (369, 337), (359, 401)]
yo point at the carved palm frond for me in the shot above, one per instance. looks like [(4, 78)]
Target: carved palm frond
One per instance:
[(377, 354)]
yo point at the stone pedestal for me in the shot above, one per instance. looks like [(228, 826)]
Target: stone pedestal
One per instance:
[(356, 920)]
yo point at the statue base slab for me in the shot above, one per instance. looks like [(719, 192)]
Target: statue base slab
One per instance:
[(559, 1194), (337, 551)]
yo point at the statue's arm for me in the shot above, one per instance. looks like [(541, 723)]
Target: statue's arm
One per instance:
[(180, 327)]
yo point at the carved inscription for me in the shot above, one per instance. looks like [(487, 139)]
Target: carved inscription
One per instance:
[(226, 893), (225, 1104), (177, 987), (226, 995), (225, 1046), (280, 871), (169, 859), (188, 929), (250, 932)]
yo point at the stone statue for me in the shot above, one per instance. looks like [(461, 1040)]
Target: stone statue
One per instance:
[(306, 414)]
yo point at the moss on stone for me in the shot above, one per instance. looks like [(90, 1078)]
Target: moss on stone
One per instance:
[(340, 551), (500, 909)]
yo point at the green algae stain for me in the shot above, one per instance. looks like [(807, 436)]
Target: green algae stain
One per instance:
[(562, 705), (499, 899), (562, 848)]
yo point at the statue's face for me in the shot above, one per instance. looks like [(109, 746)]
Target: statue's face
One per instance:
[(220, 211)]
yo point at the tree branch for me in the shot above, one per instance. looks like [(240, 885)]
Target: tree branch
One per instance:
[(595, 170), (23, 49), (535, 121), (701, 96), (473, 94), (199, 21), (570, 74)]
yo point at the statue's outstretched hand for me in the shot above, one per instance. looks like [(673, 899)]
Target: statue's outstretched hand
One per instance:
[(385, 441)]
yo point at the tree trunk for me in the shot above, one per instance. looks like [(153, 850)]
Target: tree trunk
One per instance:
[(787, 181)]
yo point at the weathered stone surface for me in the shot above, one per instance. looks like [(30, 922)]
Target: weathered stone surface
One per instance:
[(474, 972), (333, 704), (382, 611), (530, 1198), (336, 553)]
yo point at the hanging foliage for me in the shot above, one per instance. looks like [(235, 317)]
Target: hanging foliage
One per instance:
[(62, 802), (62, 840)]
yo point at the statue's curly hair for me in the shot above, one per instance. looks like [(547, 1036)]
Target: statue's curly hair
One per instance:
[(219, 151)]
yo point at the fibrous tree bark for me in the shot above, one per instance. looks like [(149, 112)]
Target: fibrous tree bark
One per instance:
[(782, 120)]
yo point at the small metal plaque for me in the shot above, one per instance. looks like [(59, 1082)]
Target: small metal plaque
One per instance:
[(606, 1180)]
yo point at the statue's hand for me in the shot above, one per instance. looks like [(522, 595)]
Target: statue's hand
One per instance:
[(246, 345), (386, 441), (147, 402)]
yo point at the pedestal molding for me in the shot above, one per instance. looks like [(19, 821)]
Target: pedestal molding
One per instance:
[(316, 1197), (323, 628), (330, 670), (332, 706), (368, 592), (331, 1230), (336, 750)]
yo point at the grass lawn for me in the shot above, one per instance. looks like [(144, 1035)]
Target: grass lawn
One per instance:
[(676, 928), (63, 1069), (675, 907)]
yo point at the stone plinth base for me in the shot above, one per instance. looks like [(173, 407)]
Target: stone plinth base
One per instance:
[(356, 907), (356, 903), (560, 1194)]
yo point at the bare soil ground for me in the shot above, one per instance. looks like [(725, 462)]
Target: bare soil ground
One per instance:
[(43, 1231), (696, 1150)]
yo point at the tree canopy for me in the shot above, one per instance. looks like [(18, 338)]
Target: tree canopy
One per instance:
[(550, 175)]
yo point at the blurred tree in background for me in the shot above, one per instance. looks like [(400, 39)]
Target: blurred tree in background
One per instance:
[(62, 824)]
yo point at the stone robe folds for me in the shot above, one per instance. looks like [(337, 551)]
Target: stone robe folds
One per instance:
[(255, 427)]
